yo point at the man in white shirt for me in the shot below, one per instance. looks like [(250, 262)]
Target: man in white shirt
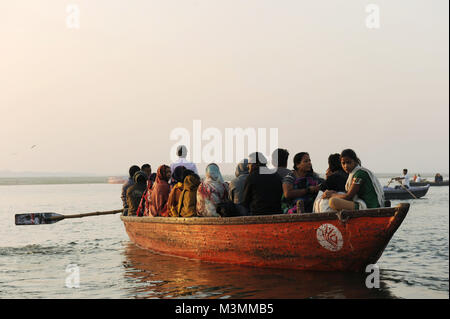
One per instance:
[(181, 161), (405, 178)]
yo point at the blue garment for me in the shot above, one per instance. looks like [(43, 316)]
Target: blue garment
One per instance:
[(125, 187)]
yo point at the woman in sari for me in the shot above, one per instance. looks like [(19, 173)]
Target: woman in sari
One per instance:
[(363, 190), (160, 192), (211, 192), (187, 203), (175, 192), (300, 187)]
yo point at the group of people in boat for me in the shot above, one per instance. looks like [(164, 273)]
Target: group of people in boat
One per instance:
[(178, 191)]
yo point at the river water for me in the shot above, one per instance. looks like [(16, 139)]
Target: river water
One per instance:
[(44, 261)]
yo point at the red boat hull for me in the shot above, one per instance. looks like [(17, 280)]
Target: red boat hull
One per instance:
[(323, 242)]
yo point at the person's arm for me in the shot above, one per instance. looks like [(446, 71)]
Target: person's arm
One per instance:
[(289, 191), (354, 189)]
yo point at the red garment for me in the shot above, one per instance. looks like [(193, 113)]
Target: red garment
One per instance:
[(160, 193)]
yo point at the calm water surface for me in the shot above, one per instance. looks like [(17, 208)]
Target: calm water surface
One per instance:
[(33, 259)]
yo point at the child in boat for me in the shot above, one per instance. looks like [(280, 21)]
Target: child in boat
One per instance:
[(300, 187), (363, 190), (211, 192)]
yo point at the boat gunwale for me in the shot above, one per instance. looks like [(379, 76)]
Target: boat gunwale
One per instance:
[(269, 219)]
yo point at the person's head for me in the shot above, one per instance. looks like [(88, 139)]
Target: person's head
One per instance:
[(163, 173), (181, 151), (302, 162), (405, 171), (334, 162), (147, 169), (177, 175), (133, 169), (152, 177), (280, 157), (256, 160), (186, 173), (213, 172), (140, 178), (242, 168), (349, 160)]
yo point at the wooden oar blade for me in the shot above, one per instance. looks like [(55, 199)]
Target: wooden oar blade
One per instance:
[(37, 218)]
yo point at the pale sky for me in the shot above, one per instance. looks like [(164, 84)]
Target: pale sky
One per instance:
[(107, 95)]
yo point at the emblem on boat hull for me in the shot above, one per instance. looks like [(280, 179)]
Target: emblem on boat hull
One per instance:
[(329, 237)]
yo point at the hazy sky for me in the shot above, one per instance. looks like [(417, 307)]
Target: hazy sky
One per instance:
[(107, 95)]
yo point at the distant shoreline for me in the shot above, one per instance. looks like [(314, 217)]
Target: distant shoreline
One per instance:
[(60, 180)]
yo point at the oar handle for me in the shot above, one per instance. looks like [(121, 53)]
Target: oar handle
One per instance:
[(86, 214), (414, 196)]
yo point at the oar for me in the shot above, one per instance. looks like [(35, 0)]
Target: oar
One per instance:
[(50, 218), (414, 196)]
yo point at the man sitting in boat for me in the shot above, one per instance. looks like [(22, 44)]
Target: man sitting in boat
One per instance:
[(280, 160), (181, 161), (211, 192), (136, 191), (363, 189), (404, 179), (147, 169), (262, 190), (133, 169), (300, 187), (438, 178)]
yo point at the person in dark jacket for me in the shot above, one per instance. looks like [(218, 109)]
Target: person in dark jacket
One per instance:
[(236, 192), (262, 190), (135, 192), (336, 176), (133, 169), (279, 160)]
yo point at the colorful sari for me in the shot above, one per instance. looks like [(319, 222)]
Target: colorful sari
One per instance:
[(211, 192)]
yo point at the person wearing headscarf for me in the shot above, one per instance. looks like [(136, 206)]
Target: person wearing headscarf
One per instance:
[(211, 192), (176, 189), (136, 191), (363, 189), (262, 189), (187, 203), (236, 193), (160, 192)]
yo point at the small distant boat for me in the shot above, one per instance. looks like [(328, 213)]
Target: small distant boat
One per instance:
[(116, 180), (331, 241), (443, 183), (401, 193)]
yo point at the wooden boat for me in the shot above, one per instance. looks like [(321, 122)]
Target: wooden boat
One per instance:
[(443, 183), (401, 193), (333, 241)]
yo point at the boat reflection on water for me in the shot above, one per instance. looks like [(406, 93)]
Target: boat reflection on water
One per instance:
[(160, 276)]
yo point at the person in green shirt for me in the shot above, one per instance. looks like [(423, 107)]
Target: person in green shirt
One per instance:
[(363, 188)]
